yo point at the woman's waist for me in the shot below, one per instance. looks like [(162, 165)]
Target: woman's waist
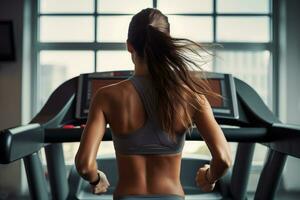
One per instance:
[(167, 186), (149, 197)]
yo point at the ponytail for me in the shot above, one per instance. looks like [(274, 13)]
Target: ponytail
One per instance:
[(169, 66), (169, 62)]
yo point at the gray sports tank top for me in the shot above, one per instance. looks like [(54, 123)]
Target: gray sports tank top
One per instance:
[(150, 138)]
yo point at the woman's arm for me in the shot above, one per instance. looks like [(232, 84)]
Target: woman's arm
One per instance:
[(213, 136), (85, 160)]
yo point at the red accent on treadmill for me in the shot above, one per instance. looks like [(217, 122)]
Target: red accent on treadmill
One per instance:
[(68, 126)]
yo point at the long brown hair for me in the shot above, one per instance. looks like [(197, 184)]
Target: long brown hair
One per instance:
[(169, 63)]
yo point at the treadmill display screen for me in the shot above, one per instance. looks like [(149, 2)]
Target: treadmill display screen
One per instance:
[(219, 83), (215, 85)]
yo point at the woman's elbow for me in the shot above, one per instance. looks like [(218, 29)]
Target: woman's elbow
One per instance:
[(225, 160), (82, 166)]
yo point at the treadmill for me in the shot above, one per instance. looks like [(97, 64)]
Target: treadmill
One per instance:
[(243, 117)]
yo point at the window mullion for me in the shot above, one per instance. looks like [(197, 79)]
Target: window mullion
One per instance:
[(154, 3), (214, 20), (95, 32)]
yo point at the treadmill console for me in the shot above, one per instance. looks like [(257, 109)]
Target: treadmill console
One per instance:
[(226, 105), (222, 84)]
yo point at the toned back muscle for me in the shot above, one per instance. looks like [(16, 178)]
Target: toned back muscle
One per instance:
[(138, 174)]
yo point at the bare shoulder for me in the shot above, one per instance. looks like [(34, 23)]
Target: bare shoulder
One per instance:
[(111, 92)]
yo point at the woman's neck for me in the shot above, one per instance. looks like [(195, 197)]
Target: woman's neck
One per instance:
[(141, 70)]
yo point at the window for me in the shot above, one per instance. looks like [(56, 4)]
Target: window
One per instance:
[(81, 36), (93, 32)]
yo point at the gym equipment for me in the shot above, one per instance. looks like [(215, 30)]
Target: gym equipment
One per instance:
[(243, 116)]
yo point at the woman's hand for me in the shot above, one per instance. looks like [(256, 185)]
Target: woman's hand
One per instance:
[(202, 179), (103, 184)]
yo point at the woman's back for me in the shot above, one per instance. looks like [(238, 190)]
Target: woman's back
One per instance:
[(126, 112), (151, 115), (157, 173)]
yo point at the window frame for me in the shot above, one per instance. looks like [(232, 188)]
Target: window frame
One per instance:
[(98, 46)]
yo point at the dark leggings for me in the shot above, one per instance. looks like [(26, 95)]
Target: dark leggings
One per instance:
[(149, 197)]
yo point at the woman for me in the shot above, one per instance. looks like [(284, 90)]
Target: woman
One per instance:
[(149, 115)]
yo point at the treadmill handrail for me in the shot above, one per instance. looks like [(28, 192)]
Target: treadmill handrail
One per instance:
[(254, 104), (58, 105), (19, 142), (285, 139), (242, 134)]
